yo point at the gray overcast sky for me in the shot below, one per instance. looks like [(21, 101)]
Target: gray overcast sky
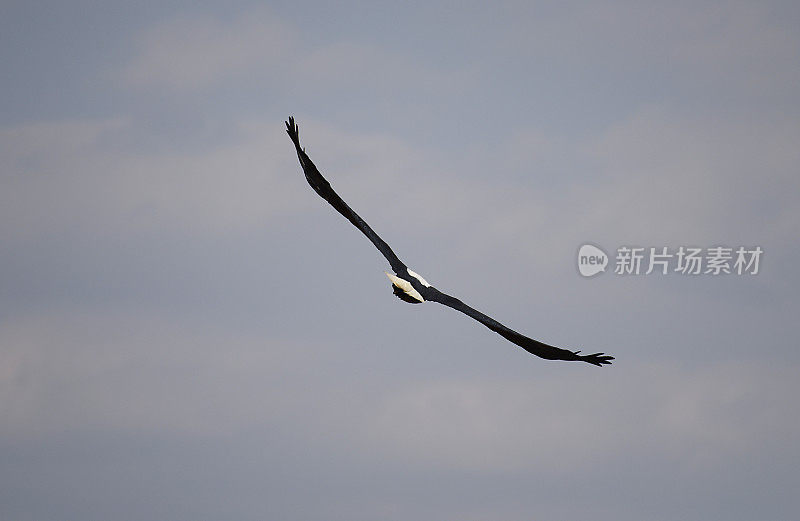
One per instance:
[(188, 332)]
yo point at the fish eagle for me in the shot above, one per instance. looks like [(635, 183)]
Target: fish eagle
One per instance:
[(410, 286)]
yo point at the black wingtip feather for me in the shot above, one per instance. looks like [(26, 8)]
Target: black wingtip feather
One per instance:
[(598, 359), (293, 130)]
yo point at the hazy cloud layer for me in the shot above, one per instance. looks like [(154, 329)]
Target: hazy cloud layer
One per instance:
[(188, 332)]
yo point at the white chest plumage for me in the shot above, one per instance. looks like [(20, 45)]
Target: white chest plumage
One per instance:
[(406, 287)]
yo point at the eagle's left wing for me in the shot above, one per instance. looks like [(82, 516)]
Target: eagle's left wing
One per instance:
[(323, 188), (530, 345)]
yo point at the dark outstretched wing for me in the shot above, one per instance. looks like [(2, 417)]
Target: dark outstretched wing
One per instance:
[(323, 188), (528, 344)]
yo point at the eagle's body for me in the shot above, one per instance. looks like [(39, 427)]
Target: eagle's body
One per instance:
[(411, 287), (404, 286)]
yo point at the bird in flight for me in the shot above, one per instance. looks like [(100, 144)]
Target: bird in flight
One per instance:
[(411, 287)]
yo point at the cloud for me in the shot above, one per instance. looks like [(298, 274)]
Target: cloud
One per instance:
[(373, 69), (747, 46), (256, 48), (571, 423), (90, 370), (658, 177), (87, 177), (194, 52), (92, 176), (106, 371), (679, 177)]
